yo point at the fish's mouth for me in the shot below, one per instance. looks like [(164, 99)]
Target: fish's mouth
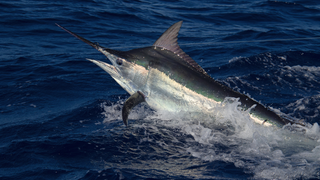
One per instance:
[(112, 70)]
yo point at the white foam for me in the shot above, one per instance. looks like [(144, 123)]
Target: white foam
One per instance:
[(112, 112), (267, 152), (235, 59), (313, 132)]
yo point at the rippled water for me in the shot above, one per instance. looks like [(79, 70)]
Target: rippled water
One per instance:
[(60, 115)]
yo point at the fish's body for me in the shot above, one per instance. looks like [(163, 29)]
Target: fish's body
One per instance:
[(166, 78)]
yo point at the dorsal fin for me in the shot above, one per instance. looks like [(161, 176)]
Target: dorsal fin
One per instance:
[(169, 41)]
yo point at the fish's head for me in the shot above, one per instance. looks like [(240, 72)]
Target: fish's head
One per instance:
[(125, 71), (123, 68)]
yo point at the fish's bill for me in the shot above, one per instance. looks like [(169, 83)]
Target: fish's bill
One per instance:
[(95, 45), (79, 37)]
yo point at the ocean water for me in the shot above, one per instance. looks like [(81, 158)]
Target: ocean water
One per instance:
[(60, 115)]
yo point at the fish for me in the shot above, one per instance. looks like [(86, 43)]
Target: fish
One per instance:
[(166, 78)]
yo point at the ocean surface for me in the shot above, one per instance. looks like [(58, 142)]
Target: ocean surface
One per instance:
[(60, 115)]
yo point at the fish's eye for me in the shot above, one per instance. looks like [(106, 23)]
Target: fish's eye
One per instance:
[(119, 61)]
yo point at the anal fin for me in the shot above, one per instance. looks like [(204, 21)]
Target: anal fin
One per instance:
[(130, 103)]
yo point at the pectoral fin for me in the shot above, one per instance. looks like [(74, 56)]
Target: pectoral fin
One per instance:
[(130, 103)]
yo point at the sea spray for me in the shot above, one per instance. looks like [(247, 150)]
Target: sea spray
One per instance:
[(229, 135)]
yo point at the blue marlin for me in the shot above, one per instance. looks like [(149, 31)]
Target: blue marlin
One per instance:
[(166, 78)]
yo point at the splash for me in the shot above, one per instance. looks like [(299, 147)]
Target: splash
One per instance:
[(113, 112), (229, 135)]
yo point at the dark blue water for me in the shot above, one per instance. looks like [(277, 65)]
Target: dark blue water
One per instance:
[(60, 115)]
